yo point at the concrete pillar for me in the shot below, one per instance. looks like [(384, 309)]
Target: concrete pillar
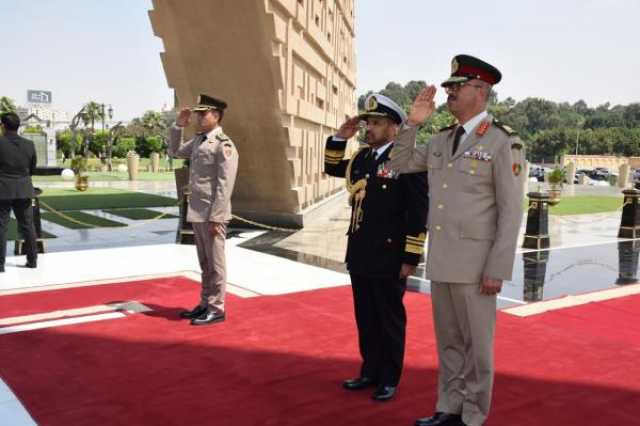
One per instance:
[(571, 172), (623, 175)]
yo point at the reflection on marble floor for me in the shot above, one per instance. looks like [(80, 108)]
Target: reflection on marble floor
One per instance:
[(585, 253)]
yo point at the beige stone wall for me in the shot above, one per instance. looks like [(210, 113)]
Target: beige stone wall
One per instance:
[(287, 70), (609, 161)]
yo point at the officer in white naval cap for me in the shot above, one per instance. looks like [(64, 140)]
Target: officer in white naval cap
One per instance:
[(385, 240)]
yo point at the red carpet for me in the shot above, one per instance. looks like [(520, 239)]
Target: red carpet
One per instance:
[(280, 361)]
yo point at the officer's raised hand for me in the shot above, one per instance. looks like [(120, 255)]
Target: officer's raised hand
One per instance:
[(349, 128), (423, 106), (183, 117)]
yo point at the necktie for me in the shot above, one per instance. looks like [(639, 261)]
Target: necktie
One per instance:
[(456, 139)]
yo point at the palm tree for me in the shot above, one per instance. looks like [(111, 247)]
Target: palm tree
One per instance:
[(7, 105), (153, 122), (91, 113)]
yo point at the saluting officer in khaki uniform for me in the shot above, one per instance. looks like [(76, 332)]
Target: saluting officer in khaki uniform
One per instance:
[(214, 165), (476, 190)]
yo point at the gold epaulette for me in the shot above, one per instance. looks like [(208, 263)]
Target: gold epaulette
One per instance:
[(357, 192), (222, 137), (508, 130)]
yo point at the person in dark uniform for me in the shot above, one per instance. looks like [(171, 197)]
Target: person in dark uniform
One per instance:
[(17, 162), (385, 240)]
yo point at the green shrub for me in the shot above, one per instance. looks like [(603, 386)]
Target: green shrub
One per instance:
[(123, 146)]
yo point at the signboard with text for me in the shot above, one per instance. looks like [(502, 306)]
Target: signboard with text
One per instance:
[(39, 96)]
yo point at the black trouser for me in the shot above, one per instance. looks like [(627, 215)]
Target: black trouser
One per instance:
[(381, 320), (23, 212)]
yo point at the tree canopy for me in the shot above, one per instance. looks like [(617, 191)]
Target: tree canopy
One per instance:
[(550, 129)]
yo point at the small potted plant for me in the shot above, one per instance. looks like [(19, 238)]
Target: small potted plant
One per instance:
[(79, 167), (556, 179)]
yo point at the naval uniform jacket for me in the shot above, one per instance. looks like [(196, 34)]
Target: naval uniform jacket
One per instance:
[(394, 212)]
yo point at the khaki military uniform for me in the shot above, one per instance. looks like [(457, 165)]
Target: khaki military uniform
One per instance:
[(474, 218), (213, 168)]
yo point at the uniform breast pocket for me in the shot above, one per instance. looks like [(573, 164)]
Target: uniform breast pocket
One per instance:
[(205, 154), (435, 160), (476, 175)]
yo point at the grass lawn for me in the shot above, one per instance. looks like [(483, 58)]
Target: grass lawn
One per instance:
[(113, 177), (585, 205), (12, 232), (138, 214), (102, 198), (91, 221)]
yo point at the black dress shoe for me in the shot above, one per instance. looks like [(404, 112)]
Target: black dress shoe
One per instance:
[(209, 317), (440, 419), (384, 393), (194, 313), (358, 383), (32, 265), (2, 268)]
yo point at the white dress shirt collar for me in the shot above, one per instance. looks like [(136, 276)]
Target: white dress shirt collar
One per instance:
[(470, 125), (379, 151)]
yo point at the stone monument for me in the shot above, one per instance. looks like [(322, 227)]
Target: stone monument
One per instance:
[(287, 70)]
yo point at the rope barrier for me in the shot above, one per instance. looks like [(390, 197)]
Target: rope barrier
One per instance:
[(158, 217)]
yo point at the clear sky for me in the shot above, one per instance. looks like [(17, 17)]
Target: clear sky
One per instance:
[(562, 50)]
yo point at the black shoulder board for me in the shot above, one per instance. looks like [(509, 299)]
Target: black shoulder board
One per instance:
[(516, 145), (444, 129), (508, 130)]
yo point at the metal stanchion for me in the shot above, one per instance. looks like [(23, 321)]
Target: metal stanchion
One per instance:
[(185, 229), (630, 222), (535, 270), (19, 246), (537, 232), (628, 253), (184, 234)]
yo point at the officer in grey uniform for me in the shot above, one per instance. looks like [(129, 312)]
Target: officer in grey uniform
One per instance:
[(214, 165), (476, 186)]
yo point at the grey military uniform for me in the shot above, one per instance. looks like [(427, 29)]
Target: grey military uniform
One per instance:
[(213, 170), (474, 217)]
